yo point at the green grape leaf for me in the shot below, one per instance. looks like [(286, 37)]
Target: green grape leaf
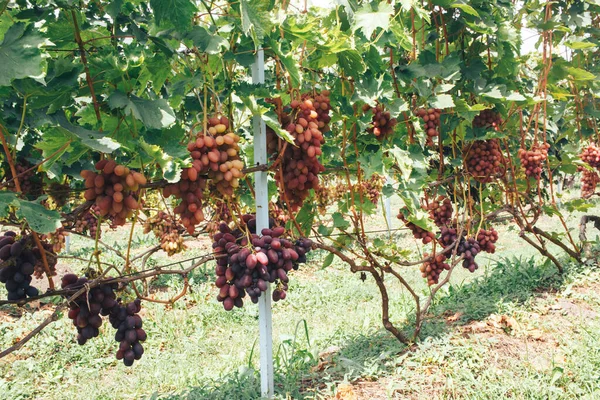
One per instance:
[(305, 218), (206, 41), (442, 101), (38, 217), (288, 62), (175, 13), (97, 141), (351, 62), (579, 74), (20, 56), (154, 114), (466, 8), (368, 20), (7, 199), (255, 20), (272, 122), (339, 221), (581, 45), (328, 260)]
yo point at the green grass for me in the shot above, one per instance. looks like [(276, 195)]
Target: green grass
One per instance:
[(198, 351)]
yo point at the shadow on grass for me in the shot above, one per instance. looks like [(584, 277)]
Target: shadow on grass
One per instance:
[(300, 372), (511, 281)]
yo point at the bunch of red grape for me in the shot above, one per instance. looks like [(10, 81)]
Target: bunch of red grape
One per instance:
[(483, 160), (30, 182), (589, 181), (487, 240), (532, 160), (214, 153), (86, 310), (39, 270), (591, 155), (440, 211), (469, 248), (280, 217), (448, 235), (56, 239), (488, 119), (229, 166), (300, 164), (432, 269), (114, 188), (330, 191), (20, 261), (417, 231), (126, 320), (382, 123), (322, 106), (88, 223), (431, 122), (272, 143), (371, 188), (166, 231), (246, 262), (221, 212)]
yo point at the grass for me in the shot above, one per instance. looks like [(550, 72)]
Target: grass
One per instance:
[(327, 332)]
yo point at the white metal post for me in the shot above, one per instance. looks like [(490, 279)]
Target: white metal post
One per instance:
[(388, 211), (262, 221), (68, 244)]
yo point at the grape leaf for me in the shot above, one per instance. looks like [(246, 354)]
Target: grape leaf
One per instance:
[(581, 45), (328, 260), (39, 218), (272, 122), (351, 62), (368, 20), (339, 221), (176, 13), (580, 74), (255, 20), (154, 114), (466, 8), (206, 41), (7, 199), (442, 101), (94, 140), (20, 56)]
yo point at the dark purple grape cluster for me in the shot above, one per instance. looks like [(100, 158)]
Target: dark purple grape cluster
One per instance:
[(20, 262), (247, 262), (432, 269), (126, 320), (469, 248), (431, 122), (488, 119), (86, 310), (30, 182), (448, 235)]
